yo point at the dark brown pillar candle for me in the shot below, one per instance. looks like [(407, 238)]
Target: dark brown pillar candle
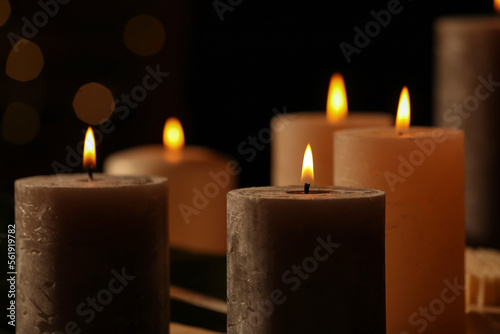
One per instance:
[(91, 256), (306, 263)]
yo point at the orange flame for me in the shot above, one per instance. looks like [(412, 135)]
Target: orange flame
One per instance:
[(496, 5), (89, 156), (173, 135), (336, 108), (307, 166), (403, 117)]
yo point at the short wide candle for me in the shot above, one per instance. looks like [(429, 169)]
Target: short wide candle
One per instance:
[(198, 182), (422, 172), (306, 263), (92, 256)]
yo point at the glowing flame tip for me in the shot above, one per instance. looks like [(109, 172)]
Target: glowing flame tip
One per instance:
[(89, 155), (336, 108), (404, 113), (307, 166), (173, 135)]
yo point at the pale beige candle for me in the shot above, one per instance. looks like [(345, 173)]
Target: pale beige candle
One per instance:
[(292, 133), (199, 179), (421, 169), (305, 263), (467, 76)]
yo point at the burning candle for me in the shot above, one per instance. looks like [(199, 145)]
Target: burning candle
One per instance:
[(199, 179), (91, 252), (315, 256), (466, 90), (294, 131), (421, 169)]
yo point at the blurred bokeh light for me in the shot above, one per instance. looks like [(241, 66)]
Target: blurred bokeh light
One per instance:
[(93, 103)]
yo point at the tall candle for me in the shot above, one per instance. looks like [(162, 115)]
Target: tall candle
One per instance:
[(199, 179), (91, 255), (466, 97), (305, 263), (421, 169), (294, 131)]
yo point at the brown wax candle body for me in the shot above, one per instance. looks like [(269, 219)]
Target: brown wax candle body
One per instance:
[(91, 256), (467, 97), (302, 263)]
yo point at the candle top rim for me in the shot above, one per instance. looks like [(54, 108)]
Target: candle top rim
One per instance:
[(390, 132), (192, 153), (296, 193), (468, 21), (81, 181), (318, 118), (321, 114)]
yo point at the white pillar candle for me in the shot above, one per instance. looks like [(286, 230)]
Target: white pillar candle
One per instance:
[(305, 263), (466, 96), (421, 169), (199, 179), (91, 256), (292, 133)]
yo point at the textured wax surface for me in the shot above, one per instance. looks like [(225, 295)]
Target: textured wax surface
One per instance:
[(82, 181), (104, 240), (273, 229), (296, 193)]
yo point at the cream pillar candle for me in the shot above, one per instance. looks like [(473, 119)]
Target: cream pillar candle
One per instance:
[(91, 256), (466, 97), (305, 263), (292, 133), (421, 169), (199, 179)]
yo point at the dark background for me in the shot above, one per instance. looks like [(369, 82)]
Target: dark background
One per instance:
[(226, 76)]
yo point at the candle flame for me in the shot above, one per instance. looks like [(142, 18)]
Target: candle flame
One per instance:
[(307, 166), (336, 108), (173, 135), (89, 156), (496, 5), (403, 117)]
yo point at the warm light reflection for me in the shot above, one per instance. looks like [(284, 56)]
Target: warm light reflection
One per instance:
[(307, 166), (93, 103), (496, 5), (4, 11), (403, 117), (173, 135), (25, 61), (144, 35), (89, 159), (336, 108)]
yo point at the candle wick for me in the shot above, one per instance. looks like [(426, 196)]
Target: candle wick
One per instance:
[(90, 173), (306, 188)]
